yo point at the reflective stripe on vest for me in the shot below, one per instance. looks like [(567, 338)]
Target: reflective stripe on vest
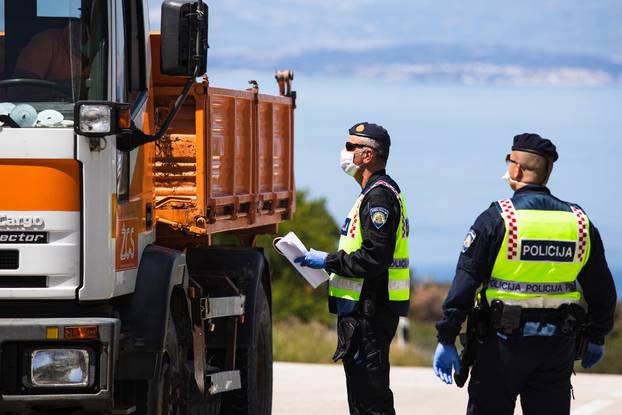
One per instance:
[(540, 258), (352, 285), (349, 289), (534, 287)]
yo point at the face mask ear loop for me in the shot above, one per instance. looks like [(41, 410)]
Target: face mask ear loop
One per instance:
[(549, 170)]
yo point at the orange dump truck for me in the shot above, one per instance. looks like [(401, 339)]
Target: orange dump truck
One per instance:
[(117, 169), (227, 161)]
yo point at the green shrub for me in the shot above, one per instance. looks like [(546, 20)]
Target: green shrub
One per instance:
[(292, 296), (427, 301)]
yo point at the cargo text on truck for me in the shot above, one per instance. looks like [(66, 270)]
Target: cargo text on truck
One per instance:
[(118, 165)]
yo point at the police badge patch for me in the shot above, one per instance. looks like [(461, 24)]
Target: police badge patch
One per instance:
[(344, 228), (379, 216), (468, 240)]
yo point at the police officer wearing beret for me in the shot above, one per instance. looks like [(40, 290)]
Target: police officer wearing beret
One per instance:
[(536, 265), (369, 286)]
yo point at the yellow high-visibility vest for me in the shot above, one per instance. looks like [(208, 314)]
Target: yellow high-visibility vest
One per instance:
[(542, 254), (347, 290)]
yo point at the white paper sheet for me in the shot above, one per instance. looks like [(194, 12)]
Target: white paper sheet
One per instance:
[(291, 248)]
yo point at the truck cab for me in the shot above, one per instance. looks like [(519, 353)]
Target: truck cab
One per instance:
[(119, 165)]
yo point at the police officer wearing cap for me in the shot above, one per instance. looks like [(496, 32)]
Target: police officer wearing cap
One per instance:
[(535, 265), (369, 285)]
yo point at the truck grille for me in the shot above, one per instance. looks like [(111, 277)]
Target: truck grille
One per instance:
[(9, 259), (23, 281)]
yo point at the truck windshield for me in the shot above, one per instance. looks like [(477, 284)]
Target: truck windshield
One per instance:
[(52, 54)]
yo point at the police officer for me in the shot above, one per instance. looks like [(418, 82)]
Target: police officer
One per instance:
[(369, 286), (540, 262)]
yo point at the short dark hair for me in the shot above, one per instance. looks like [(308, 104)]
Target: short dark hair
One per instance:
[(382, 151)]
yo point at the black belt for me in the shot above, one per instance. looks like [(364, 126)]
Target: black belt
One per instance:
[(569, 318)]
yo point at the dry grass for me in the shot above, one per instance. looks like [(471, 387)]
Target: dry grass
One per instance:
[(315, 343), (409, 355), (295, 341)]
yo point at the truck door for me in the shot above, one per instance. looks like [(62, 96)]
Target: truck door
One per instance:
[(134, 213), (130, 227)]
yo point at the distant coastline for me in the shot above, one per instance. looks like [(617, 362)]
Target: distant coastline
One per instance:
[(433, 63)]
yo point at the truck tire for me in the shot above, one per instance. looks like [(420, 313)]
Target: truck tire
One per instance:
[(170, 394), (166, 393), (255, 365)]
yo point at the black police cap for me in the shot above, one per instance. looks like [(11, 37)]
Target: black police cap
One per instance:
[(533, 143), (374, 131)]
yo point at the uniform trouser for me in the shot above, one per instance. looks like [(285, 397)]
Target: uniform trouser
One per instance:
[(367, 365), (536, 368)]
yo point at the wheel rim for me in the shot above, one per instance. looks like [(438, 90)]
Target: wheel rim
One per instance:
[(172, 400)]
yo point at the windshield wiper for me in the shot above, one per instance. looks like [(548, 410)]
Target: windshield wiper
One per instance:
[(8, 121)]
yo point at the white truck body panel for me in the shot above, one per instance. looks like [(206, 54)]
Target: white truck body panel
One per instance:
[(37, 143), (59, 259)]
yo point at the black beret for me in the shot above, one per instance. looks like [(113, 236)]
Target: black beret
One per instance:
[(533, 143), (374, 131)]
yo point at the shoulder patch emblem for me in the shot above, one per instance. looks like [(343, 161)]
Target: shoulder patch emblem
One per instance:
[(379, 216), (346, 225), (468, 240)]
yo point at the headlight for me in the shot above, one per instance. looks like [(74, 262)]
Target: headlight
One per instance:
[(101, 118), (60, 367), (95, 119)]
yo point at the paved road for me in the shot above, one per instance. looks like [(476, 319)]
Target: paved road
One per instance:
[(306, 389)]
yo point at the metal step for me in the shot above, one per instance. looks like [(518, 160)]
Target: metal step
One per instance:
[(222, 306), (224, 381), (124, 411)]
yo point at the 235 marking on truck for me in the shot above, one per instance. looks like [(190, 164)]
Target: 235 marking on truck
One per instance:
[(127, 244), (128, 247)]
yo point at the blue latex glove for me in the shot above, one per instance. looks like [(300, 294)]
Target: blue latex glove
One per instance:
[(445, 357), (313, 259), (593, 355)]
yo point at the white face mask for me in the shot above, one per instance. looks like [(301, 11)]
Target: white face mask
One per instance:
[(507, 178), (346, 161)]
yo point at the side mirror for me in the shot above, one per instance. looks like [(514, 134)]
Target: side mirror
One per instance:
[(183, 40)]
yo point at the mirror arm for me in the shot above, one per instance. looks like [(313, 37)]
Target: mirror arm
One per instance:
[(136, 137)]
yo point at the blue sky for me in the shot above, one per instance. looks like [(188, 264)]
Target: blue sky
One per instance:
[(276, 26), (449, 139)]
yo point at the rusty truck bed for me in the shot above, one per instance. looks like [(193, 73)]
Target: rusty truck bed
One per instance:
[(226, 163)]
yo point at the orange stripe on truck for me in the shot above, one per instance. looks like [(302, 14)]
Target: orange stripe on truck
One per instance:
[(39, 185)]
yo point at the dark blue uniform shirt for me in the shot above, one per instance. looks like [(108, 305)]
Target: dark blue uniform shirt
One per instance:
[(477, 260)]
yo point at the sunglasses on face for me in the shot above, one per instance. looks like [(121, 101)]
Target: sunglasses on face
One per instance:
[(353, 146), (509, 160)]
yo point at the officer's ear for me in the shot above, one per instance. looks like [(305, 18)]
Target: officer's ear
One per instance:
[(369, 155), (549, 170)]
